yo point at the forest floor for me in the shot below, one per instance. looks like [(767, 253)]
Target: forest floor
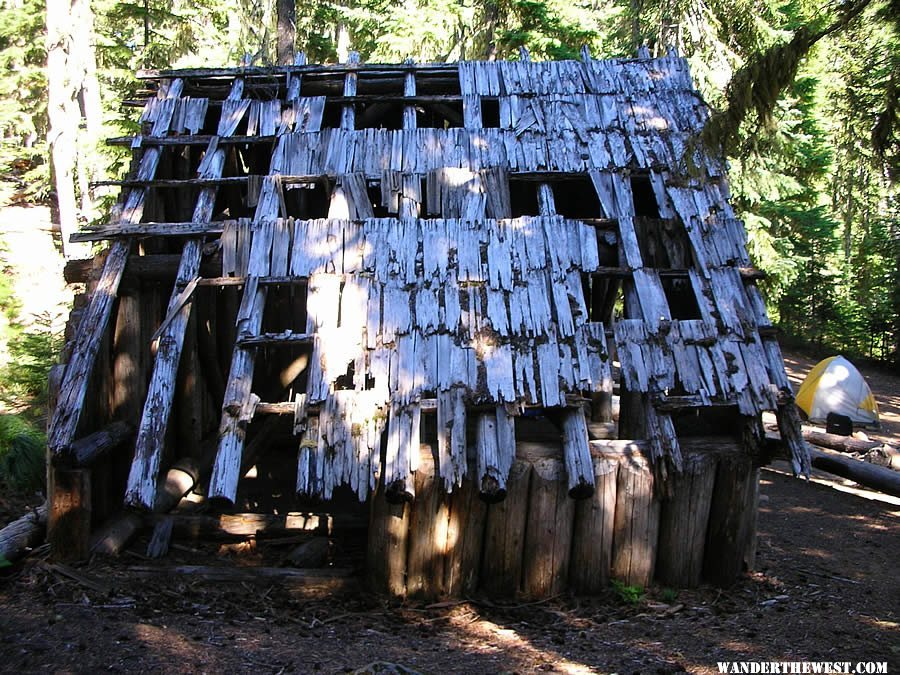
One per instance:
[(825, 589)]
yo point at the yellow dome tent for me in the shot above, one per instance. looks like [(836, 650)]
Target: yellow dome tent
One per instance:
[(835, 385)]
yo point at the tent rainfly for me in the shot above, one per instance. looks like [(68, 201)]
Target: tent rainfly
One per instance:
[(365, 275), (834, 385)]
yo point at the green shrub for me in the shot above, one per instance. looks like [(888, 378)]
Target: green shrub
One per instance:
[(629, 595), (23, 380), (22, 454)]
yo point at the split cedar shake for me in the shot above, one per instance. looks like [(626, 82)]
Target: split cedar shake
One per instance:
[(418, 267)]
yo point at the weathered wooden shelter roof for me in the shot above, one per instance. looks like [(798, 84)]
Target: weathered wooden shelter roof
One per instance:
[(468, 236)]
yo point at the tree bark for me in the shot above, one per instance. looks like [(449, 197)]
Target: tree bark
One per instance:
[(284, 49)]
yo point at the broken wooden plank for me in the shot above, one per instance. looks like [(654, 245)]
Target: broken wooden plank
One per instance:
[(577, 454), (64, 424)]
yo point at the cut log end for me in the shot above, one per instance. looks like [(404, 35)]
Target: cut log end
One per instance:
[(491, 491), (582, 490), (399, 492)]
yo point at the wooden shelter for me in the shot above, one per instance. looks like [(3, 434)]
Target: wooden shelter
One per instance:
[(429, 283)]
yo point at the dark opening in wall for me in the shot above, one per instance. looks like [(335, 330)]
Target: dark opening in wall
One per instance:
[(177, 161), (379, 115), (680, 296), (322, 84), (643, 196), (603, 292), (720, 420), (285, 310), (443, 83), (490, 113), (523, 198), (282, 370), (443, 115), (331, 114), (255, 158), (231, 202), (374, 191), (306, 201), (384, 84), (576, 198)]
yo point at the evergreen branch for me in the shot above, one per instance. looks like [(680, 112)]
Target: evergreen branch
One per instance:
[(758, 85)]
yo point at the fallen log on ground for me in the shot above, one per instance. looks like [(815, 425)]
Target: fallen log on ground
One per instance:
[(836, 442), (868, 475), (27, 531)]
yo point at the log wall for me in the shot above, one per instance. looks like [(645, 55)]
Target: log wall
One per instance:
[(539, 542)]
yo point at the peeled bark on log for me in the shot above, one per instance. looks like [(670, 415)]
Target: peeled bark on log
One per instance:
[(27, 531)]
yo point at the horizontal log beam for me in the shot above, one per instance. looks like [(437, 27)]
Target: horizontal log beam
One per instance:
[(249, 74), (154, 267), (272, 339), (86, 451), (193, 139), (260, 524), (185, 229)]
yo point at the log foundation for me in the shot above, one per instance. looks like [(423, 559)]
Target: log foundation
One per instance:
[(539, 542)]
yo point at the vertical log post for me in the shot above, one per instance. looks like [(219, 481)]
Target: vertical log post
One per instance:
[(387, 544), (429, 515), (593, 535), (752, 518), (636, 525), (465, 535), (548, 533), (504, 539), (726, 539), (683, 521), (69, 519)]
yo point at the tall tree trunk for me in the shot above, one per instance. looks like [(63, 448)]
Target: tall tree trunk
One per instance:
[(284, 49), (73, 95)]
